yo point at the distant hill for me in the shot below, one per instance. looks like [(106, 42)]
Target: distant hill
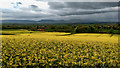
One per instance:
[(52, 21), (72, 21), (18, 21)]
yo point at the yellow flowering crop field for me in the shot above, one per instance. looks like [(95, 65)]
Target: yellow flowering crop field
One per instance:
[(49, 49)]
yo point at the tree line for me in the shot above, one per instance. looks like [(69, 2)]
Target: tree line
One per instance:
[(72, 28)]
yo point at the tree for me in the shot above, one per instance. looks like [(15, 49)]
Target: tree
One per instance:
[(75, 29), (37, 27), (111, 31)]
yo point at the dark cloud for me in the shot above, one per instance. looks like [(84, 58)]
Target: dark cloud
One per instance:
[(15, 5), (86, 12), (33, 6), (82, 8), (19, 3), (91, 5), (82, 5), (57, 5)]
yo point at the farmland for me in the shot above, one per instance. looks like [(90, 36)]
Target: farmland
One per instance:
[(34, 48)]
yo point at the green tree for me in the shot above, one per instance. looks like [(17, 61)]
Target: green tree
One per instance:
[(75, 29)]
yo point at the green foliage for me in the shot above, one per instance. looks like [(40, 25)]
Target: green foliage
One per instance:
[(73, 28)]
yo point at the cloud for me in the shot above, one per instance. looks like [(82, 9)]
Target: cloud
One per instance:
[(57, 5), (24, 15), (82, 8), (33, 6), (87, 11), (82, 5), (91, 5), (80, 0)]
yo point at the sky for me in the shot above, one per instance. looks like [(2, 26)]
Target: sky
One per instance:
[(87, 10)]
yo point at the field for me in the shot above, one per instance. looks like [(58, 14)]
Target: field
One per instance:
[(29, 48)]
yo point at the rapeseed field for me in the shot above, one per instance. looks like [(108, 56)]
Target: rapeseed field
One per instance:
[(51, 49)]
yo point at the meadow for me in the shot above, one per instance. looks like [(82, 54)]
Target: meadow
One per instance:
[(25, 48)]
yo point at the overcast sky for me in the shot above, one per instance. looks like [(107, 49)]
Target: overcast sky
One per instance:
[(102, 10)]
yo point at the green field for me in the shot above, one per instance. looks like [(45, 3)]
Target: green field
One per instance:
[(34, 48)]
